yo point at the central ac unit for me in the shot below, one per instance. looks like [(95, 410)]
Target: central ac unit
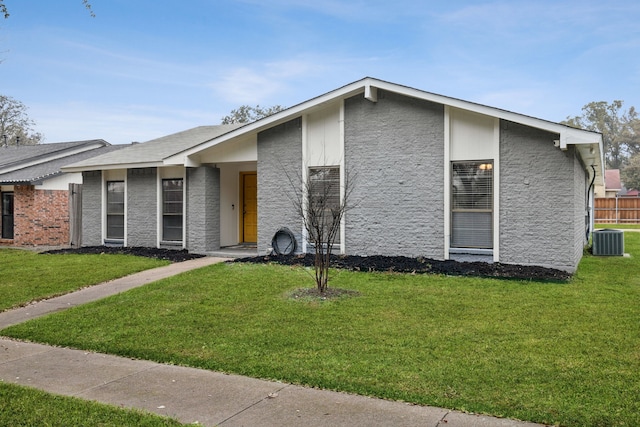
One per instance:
[(608, 242)]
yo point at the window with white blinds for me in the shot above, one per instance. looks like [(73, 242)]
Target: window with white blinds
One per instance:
[(472, 205)]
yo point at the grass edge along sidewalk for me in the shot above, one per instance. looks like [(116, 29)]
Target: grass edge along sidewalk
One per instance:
[(25, 406)]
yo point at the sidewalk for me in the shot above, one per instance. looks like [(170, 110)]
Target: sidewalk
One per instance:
[(195, 395)]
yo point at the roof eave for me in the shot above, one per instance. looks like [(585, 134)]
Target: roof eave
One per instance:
[(368, 86), (85, 168), (276, 119)]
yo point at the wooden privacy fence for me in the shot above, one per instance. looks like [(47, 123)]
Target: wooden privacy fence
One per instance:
[(617, 210)]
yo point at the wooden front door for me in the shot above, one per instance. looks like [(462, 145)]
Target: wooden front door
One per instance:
[(249, 214)]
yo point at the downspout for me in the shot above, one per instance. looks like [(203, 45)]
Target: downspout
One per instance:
[(589, 197)]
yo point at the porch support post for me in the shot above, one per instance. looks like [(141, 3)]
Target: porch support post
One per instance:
[(203, 209)]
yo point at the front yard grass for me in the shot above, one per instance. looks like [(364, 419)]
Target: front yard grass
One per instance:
[(26, 276), (22, 406), (555, 353)]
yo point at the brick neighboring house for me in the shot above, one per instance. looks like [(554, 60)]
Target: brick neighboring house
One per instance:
[(437, 177), (35, 193)]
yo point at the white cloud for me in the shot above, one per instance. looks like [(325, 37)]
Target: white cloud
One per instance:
[(259, 83), (246, 86), (115, 124)]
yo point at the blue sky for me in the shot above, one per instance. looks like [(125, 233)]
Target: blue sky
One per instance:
[(142, 69)]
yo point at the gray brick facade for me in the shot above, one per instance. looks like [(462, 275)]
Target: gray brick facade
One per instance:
[(203, 209), (142, 205), (92, 208), (541, 210), (394, 157), (395, 147), (279, 154)]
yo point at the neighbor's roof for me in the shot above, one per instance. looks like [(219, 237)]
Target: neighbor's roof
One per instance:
[(154, 152), (17, 155), (612, 179), (31, 164)]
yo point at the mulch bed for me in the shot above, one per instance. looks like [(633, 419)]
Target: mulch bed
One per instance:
[(164, 254), (401, 264), (397, 264)]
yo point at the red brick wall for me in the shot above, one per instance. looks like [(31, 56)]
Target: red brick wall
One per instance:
[(41, 217)]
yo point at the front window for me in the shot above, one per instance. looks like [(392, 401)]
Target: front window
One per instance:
[(472, 205), (7, 215), (172, 207), (115, 210), (323, 210)]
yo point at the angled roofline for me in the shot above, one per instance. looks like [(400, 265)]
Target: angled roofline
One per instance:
[(369, 86), (55, 154), (152, 153)]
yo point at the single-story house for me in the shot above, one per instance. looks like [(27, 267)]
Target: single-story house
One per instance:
[(437, 177), (35, 193)]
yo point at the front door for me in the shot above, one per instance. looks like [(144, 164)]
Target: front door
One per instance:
[(7, 215), (249, 214)]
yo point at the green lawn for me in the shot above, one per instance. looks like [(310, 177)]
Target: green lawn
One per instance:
[(27, 276), (619, 226), (564, 353), (22, 406)]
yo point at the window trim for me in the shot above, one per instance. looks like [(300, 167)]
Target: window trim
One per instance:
[(107, 213), (491, 209), (4, 235), (339, 239), (165, 215)]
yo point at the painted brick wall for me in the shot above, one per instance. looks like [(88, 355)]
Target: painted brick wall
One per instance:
[(92, 208), (396, 149), (41, 217), (142, 205), (203, 209), (279, 153), (538, 211)]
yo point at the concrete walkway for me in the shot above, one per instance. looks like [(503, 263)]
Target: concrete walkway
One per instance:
[(195, 395)]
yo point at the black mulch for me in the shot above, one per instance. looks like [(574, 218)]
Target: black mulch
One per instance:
[(398, 264), (165, 254), (401, 264)]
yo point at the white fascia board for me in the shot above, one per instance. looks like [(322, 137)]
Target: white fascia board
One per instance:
[(578, 135), (589, 143), (369, 86), (111, 167), (271, 121)]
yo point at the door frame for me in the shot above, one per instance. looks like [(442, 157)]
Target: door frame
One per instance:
[(241, 205)]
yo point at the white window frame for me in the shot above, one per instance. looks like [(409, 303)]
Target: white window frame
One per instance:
[(478, 207), (165, 214)]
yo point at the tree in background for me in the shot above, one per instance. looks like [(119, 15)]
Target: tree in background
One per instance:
[(4, 11), (620, 130), (631, 173), (15, 125), (248, 114)]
